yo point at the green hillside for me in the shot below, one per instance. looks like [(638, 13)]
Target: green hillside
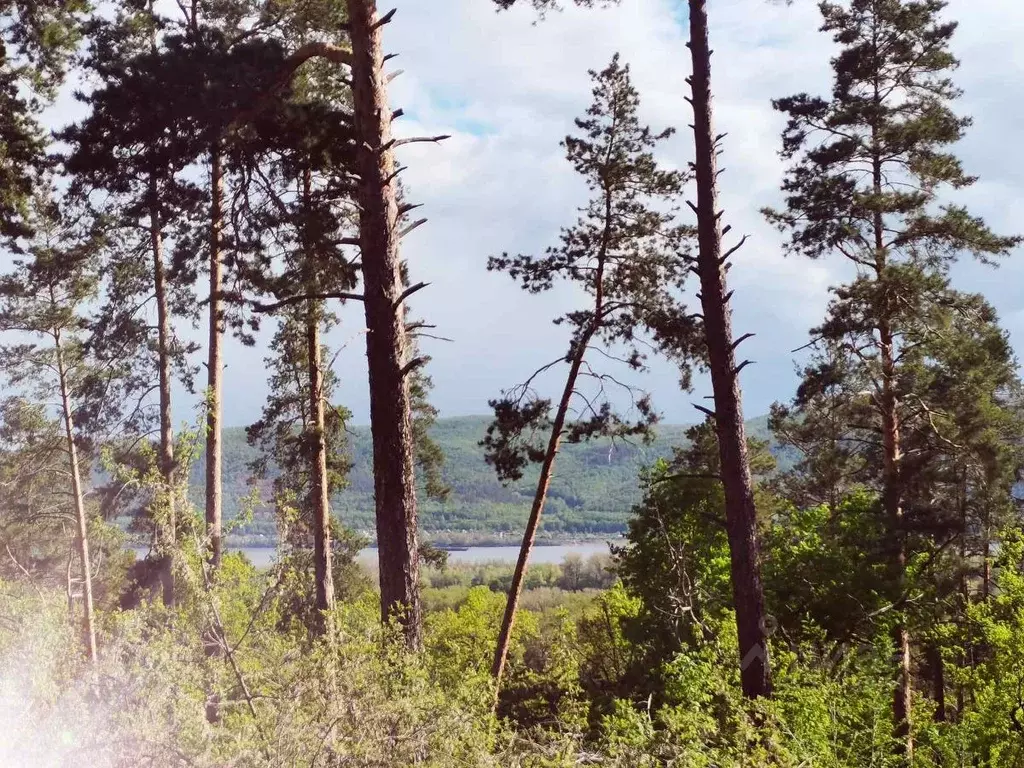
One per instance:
[(595, 485)]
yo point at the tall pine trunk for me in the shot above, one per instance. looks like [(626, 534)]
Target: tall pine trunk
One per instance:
[(89, 628), (740, 512), (168, 530), (891, 456), (387, 348), (215, 367)]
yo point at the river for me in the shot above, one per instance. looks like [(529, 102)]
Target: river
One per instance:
[(262, 557)]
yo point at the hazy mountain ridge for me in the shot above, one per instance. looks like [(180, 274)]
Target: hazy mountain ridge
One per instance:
[(594, 488)]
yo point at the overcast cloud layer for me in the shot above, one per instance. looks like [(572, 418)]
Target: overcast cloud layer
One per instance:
[(507, 90)]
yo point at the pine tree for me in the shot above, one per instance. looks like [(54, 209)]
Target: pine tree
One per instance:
[(238, 65), (711, 266), (301, 437), (133, 146), (33, 464), (867, 169), (622, 252), (298, 222)]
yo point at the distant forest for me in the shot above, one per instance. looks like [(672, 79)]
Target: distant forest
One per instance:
[(592, 493)]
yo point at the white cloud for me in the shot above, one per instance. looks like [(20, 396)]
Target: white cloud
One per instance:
[(507, 90)]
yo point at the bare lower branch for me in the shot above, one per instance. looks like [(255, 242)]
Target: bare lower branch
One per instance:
[(273, 307), (411, 227), (395, 143), (413, 364), (741, 339), (731, 251), (706, 411), (386, 18)]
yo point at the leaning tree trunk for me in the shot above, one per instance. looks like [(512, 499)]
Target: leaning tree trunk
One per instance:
[(740, 512), (168, 530), (387, 348), (215, 368), (539, 497), (89, 628)]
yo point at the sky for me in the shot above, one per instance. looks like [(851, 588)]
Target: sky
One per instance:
[(507, 87)]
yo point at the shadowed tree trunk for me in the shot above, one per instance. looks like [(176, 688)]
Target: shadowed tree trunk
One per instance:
[(741, 515), (319, 495), (89, 629), (168, 529), (387, 348), (215, 367)]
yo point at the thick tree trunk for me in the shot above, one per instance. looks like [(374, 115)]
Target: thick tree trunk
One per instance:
[(387, 348), (89, 628), (741, 515), (215, 367), (168, 529), (319, 500), (536, 510)]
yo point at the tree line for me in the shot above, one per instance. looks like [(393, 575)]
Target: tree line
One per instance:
[(236, 166)]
